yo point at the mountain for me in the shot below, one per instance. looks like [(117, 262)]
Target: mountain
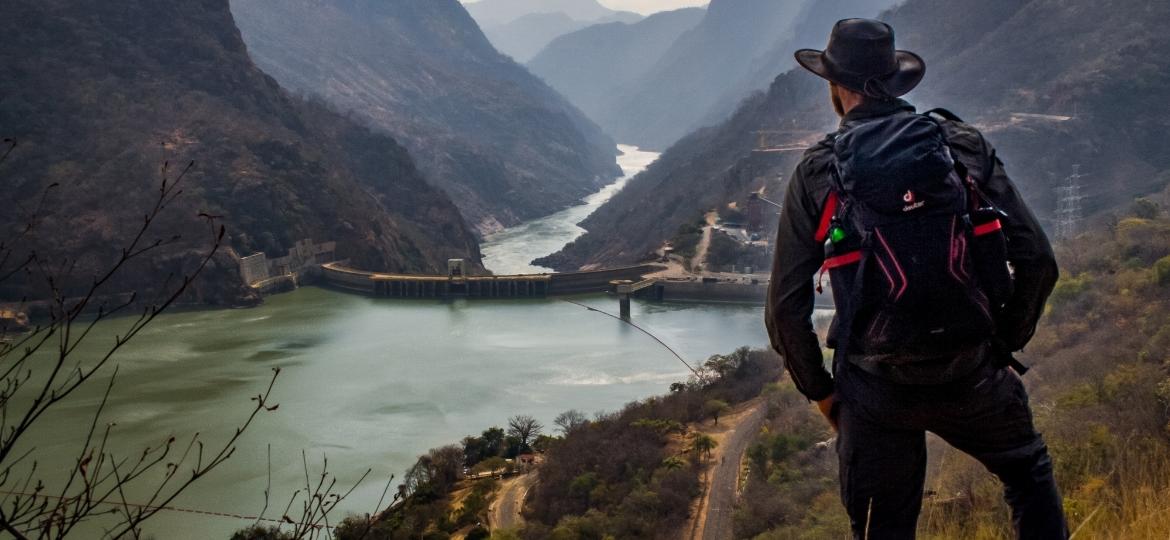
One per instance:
[(1052, 83), (524, 37), (669, 100), (675, 86), (98, 94), (811, 31), (499, 141), (496, 12), (590, 65), (521, 28)]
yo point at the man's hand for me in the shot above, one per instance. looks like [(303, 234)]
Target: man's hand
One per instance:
[(828, 407)]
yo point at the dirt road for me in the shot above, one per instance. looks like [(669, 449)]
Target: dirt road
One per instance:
[(505, 510), (704, 242), (734, 433)]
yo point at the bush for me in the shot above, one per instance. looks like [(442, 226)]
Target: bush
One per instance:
[(1068, 289), (475, 506), (1162, 271), (257, 532), (1145, 208)]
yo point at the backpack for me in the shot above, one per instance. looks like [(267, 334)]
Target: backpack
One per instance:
[(916, 254)]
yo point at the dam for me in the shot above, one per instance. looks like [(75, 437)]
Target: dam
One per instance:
[(633, 281), (458, 285)]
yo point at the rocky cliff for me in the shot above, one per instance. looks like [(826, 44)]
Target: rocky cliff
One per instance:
[(98, 95)]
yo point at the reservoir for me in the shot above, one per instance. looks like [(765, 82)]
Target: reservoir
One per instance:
[(372, 383)]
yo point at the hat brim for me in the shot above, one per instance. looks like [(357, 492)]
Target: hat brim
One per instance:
[(911, 70)]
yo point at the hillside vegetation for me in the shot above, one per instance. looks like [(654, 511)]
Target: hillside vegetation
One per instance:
[(98, 95)]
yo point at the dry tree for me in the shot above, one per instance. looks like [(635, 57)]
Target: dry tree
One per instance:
[(41, 366)]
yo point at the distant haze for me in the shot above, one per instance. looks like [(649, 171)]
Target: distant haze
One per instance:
[(645, 7)]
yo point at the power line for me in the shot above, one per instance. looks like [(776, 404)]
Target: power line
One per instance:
[(643, 330)]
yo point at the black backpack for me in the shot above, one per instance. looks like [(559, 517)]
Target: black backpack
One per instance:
[(915, 252)]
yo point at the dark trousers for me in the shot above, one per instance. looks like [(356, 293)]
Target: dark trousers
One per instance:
[(881, 446)]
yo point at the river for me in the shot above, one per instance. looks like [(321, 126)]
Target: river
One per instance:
[(372, 383), (512, 250)]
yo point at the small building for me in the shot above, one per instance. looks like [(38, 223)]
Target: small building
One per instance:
[(254, 268), (456, 268), (755, 213), (302, 259)]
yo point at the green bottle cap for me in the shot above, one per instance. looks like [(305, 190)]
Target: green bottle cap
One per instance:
[(836, 234)]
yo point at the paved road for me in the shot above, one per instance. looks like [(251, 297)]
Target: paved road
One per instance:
[(505, 511), (723, 482)]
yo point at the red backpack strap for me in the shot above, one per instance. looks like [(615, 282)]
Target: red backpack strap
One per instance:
[(827, 212), (988, 228)]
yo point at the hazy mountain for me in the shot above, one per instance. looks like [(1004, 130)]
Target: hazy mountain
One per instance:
[(1102, 63), (98, 94), (524, 37), (521, 28), (670, 99), (811, 31), (504, 145), (496, 12), (590, 65)]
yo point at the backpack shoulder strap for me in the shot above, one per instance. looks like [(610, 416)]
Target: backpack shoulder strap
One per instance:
[(944, 114), (974, 185), (828, 211)]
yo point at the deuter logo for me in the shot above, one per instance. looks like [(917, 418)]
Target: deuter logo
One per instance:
[(910, 203)]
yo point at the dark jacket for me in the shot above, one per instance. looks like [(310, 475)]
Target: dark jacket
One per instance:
[(799, 256)]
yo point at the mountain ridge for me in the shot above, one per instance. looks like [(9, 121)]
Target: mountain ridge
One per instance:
[(505, 146), (582, 65), (666, 102), (522, 28)]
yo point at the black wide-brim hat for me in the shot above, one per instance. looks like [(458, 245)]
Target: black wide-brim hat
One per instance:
[(861, 57)]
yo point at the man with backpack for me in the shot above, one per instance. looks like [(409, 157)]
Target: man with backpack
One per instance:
[(939, 271)]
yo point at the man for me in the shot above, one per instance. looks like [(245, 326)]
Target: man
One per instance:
[(880, 404)]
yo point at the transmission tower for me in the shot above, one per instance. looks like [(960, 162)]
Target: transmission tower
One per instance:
[(1069, 208)]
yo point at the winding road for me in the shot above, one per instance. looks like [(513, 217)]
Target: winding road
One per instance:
[(505, 510), (735, 433)]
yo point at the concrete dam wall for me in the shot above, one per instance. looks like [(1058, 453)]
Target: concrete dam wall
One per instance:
[(520, 286)]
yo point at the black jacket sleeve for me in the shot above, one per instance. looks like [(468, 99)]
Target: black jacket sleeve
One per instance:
[(1029, 252), (789, 309)]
